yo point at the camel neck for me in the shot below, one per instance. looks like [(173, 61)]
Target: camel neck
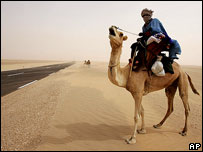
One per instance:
[(116, 74), (115, 57)]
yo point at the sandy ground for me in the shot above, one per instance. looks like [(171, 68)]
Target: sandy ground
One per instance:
[(78, 108), (7, 64)]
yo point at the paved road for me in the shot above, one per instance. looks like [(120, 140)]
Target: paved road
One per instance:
[(16, 79)]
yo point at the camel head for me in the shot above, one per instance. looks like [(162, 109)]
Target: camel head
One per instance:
[(116, 37)]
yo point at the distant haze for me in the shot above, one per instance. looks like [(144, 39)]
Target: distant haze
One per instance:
[(68, 30)]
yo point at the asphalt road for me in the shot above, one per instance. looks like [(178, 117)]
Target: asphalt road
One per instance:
[(17, 79)]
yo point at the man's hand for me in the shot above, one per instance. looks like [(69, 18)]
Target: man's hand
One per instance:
[(138, 39)]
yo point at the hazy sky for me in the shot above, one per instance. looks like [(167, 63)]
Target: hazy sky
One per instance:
[(78, 30)]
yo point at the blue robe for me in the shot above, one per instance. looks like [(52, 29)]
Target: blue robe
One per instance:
[(154, 27)]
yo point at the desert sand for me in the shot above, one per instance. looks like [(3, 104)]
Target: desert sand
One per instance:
[(78, 108), (7, 64)]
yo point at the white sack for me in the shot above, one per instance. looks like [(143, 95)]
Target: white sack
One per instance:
[(153, 39), (157, 67)]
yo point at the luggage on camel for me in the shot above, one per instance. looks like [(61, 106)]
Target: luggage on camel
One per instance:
[(157, 67), (153, 49), (146, 55), (137, 54)]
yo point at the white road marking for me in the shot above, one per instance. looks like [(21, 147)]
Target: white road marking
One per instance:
[(52, 73), (15, 74), (27, 84)]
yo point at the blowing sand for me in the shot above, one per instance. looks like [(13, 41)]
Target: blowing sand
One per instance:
[(78, 108), (7, 64)]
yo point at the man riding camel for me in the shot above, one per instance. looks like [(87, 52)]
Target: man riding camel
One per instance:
[(154, 27)]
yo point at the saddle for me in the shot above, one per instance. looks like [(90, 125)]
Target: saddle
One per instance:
[(152, 50), (139, 58), (148, 56)]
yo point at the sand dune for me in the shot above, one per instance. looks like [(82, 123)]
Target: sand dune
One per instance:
[(78, 108)]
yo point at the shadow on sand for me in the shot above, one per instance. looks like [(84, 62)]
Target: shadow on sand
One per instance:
[(101, 132)]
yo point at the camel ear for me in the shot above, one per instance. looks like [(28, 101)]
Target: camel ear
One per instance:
[(125, 38)]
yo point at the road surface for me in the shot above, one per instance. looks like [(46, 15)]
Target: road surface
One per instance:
[(17, 79)]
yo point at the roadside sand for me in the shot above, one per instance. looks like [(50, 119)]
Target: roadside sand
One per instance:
[(7, 65), (78, 108)]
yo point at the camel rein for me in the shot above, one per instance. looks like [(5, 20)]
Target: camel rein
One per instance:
[(125, 31), (111, 66)]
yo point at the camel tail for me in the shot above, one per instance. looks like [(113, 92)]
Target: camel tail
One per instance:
[(191, 85)]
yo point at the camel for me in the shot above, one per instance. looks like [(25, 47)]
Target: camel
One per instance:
[(87, 62), (140, 83)]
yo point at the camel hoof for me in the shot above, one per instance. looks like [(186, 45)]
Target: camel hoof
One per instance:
[(130, 141), (183, 133), (157, 126), (141, 131)]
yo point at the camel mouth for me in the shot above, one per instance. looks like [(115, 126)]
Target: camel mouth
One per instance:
[(111, 32)]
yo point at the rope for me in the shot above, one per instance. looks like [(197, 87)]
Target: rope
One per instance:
[(125, 31), (111, 66)]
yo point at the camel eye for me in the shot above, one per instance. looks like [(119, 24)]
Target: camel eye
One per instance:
[(121, 34)]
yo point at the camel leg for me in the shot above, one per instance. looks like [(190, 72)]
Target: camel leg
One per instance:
[(142, 130), (138, 98), (183, 92), (185, 102), (170, 93)]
